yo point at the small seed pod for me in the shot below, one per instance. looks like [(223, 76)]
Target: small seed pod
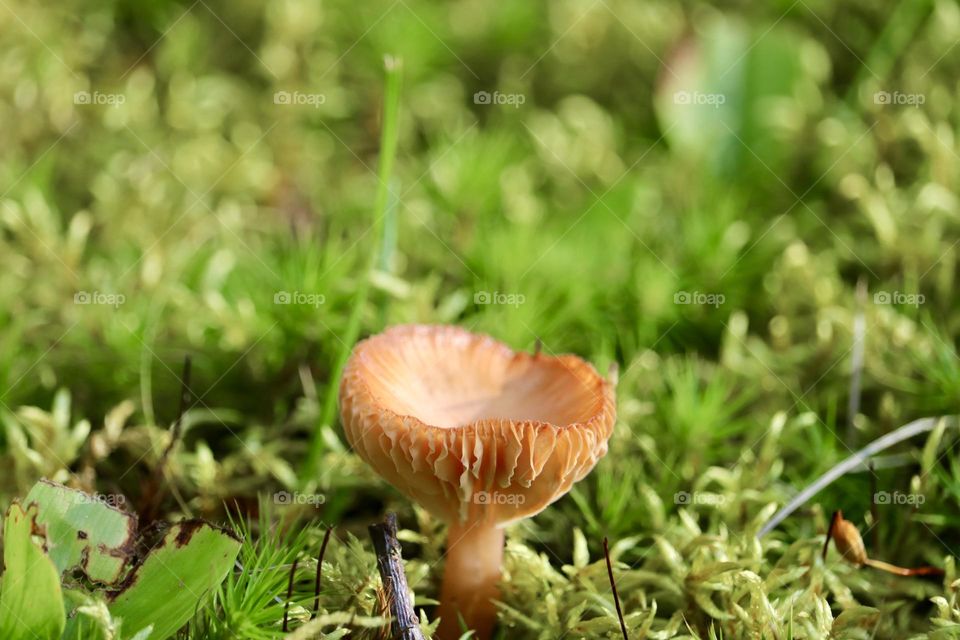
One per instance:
[(848, 540), (850, 545)]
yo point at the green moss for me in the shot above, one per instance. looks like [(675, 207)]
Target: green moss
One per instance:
[(173, 221)]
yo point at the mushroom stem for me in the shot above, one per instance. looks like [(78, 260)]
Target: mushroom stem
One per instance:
[(470, 577)]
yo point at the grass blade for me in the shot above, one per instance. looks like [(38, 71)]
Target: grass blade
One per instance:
[(388, 152)]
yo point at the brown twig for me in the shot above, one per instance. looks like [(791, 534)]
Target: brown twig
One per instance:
[(152, 492), (403, 620), (613, 585), (286, 605), (316, 584), (177, 428), (833, 523)]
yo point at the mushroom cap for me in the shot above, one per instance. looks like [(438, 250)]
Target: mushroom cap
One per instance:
[(467, 427)]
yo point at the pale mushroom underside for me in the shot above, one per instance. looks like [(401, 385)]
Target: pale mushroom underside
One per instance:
[(465, 426)]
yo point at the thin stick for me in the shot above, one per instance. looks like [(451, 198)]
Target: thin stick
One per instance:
[(826, 542), (152, 494), (286, 605), (403, 621), (185, 395), (538, 347), (896, 436), (316, 584), (613, 585)]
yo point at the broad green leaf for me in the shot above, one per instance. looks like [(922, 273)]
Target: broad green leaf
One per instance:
[(84, 530), (31, 605), (165, 590)]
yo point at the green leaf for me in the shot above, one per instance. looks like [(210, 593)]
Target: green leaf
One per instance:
[(165, 590), (31, 605), (84, 530)]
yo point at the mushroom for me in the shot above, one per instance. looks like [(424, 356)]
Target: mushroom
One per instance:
[(477, 434)]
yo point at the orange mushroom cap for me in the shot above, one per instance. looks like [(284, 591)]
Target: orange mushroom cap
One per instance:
[(470, 429)]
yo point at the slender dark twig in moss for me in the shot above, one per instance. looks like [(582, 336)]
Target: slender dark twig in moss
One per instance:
[(613, 586), (316, 584), (403, 619), (152, 492), (286, 606), (185, 396), (830, 528)]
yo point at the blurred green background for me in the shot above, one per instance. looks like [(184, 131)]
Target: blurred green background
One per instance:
[(691, 189)]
